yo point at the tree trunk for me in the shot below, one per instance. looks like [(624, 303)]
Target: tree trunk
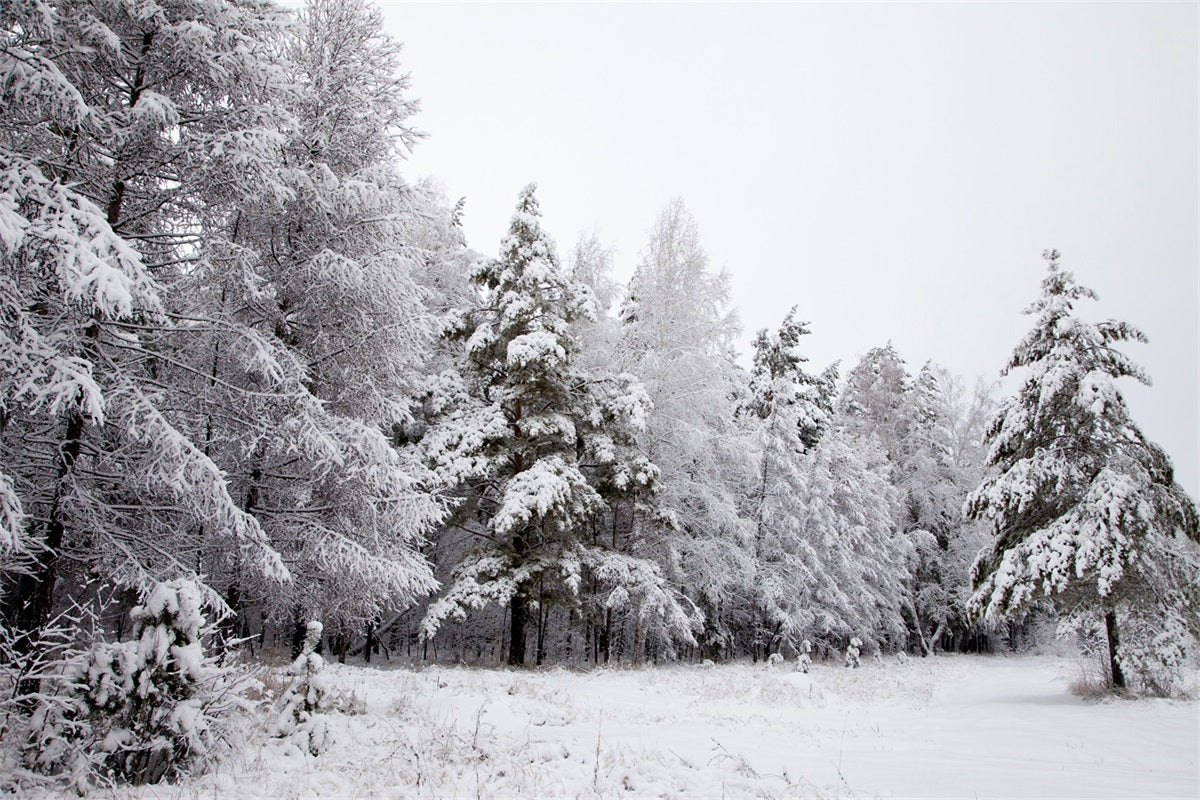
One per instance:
[(31, 602), (518, 612), (518, 608), (936, 637), (543, 619), (926, 647), (1110, 626), (608, 629), (299, 630)]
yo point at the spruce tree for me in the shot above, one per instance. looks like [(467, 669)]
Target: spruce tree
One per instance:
[(1085, 509)]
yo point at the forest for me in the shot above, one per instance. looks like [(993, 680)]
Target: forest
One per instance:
[(260, 399)]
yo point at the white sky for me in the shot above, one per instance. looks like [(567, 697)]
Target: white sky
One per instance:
[(894, 170)]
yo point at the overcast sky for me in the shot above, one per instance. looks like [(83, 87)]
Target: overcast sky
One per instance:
[(893, 170)]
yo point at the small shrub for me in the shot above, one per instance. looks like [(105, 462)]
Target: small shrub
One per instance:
[(306, 697), (853, 653), (804, 661), (140, 711)]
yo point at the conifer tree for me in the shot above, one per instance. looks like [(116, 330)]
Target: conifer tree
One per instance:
[(517, 428), (786, 406), (1085, 509)]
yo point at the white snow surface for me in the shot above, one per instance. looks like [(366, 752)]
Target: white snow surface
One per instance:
[(948, 726)]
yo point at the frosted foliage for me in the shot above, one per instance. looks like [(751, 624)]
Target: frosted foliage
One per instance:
[(304, 332), (456, 448), (480, 579), (550, 488), (143, 710), (12, 519), (632, 405), (853, 653), (847, 518), (54, 237), (108, 194), (1086, 509), (785, 415), (535, 347), (676, 336), (306, 697), (172, 466), (640, 585)]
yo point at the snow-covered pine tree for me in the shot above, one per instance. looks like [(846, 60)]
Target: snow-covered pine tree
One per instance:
[(968, 412), (143, 710), (1085, 509), (787, 406), (931, 507), (616, 624), (913, 421), (514, 430), (874, 399), (306, 696)]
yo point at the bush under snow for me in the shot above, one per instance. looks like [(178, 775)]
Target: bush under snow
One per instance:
[(139, 711)]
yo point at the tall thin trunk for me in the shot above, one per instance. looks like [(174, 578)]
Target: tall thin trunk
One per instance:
[(370, 645), (31, 602), (543, 618), (1110, 627), (518, 609), (608, 630), (518, 613), (299, 630), (235, 626)]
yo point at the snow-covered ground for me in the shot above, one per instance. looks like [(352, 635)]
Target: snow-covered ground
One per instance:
[(951, 726)]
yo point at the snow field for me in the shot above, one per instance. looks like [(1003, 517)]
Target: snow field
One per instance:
[(950, 726)]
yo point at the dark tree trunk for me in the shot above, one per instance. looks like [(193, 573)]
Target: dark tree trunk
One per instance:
[(370, 645), (299, 629), (31, 602), (236, 626), (518, 614), (1110, 626), (518, 607), (543, 619), (608, 631)]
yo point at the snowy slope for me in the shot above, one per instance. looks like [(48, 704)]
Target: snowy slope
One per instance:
[(951, 726)]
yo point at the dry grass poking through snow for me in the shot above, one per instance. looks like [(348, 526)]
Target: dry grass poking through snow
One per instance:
[(947, 726)]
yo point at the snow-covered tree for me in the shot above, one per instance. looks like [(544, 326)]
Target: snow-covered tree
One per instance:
[(591, 264), (142, 710), (874, 398), (932, 463), (537, 442), (787, 408), (306, 696), (112, 112), (306, 317), (931, 508), (858, 567), (678, 335), (1085, 509)]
